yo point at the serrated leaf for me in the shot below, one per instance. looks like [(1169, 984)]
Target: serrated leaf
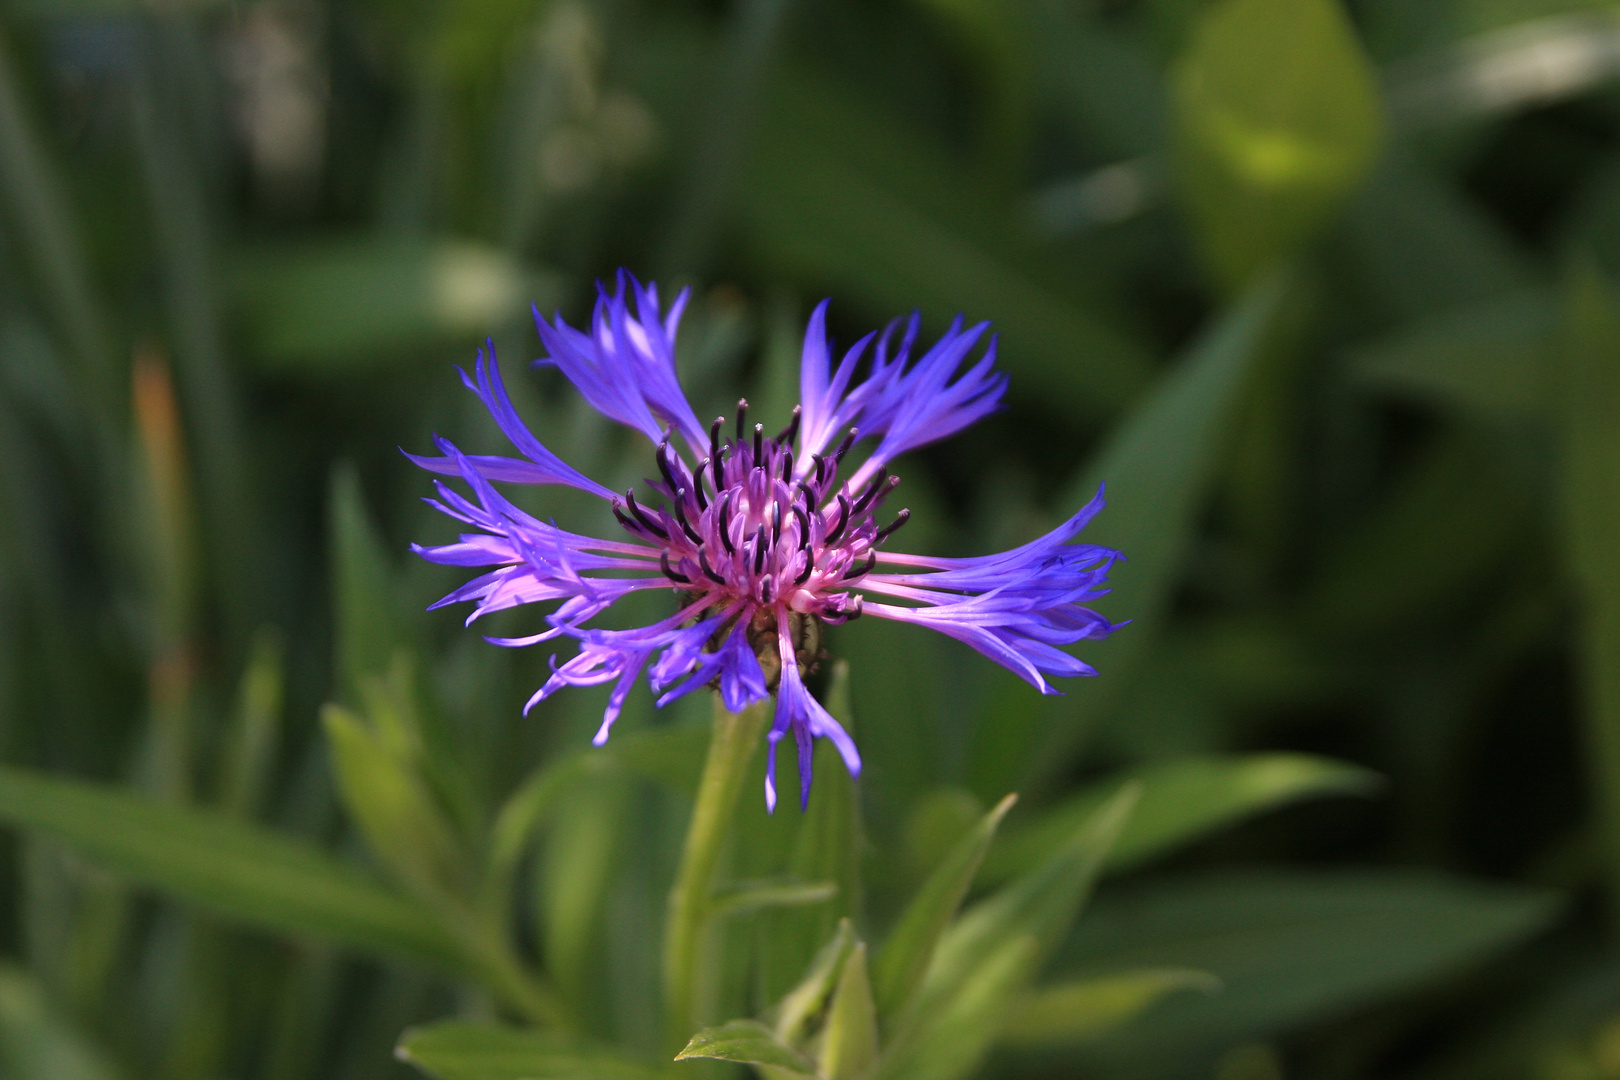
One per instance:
[(1181, 801), (1085, 1008), (244, 872), (849, 1042), (909, 948), (459, 1050), (746, 1041), (1277, 116)]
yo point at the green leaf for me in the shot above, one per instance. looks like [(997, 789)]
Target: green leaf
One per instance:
[(246, 873), (458, 1050), (366, 616), (746, 1041), (1086, 1008), (394, 810), (826, 848), (792, 1015), (1159, 465), (1589, 413), (1290, 947), (1041, 904), (1181, 801), (909, 948), (249, 757), (345, 305), (989, 955), (849, 1042), (1487, 358), (38, 1044), (1277, 117), (573, 874), (742, 897), (840, 194)]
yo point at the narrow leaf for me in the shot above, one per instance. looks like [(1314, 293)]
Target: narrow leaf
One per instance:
[(458, 1050), (746, 1041), (1158, 467), (794, 1012), (849, 1044), (742, 897), (1181, 801), (393, 809), (246, 873), (905, 955), (1088, 1007), (38, 1044)]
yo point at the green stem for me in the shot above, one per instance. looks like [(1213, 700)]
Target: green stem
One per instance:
[(691, 899)]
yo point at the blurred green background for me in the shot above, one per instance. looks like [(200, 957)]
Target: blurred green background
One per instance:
[(1323, 293)]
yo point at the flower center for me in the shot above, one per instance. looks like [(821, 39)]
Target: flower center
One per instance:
[(750, 525)]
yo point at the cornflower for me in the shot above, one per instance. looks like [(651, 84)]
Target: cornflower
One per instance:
[(760, 537)]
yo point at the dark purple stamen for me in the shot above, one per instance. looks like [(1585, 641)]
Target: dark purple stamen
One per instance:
[(765, 591), (843, 447), (759, 550), (791, 432), (669, 572), (697, 485), (662, 455), (708, 571), (804, 527), (680, 516), (843, 519), (871, 561), (742, 417), (889, 529), (641, 516), (871, 490), (787, 466), (759, 446), (809, 568), (725, 525)]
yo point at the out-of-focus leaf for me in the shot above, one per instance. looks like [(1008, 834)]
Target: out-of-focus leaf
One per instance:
[(1158, 465), (826, 848), (37, 1044), (1422, 249), (249, 874), (1450, 521), (992, 951), (394, 810), (909, 948), (1277, 117), (792, 1015), (1103, 79), (1487, 358), (1289, 947), (250, 753), (458, 1050), (1181, 801), (849, 1042), (366, 610), (742, 897), (746, 1041), (1589, 414), (1088, 1007), (578, 860), (837, 194), (344, 305)]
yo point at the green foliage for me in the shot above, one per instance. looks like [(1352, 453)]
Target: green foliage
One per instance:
[(1323, 292)]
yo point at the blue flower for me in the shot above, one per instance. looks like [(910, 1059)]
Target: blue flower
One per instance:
[(756, 536)]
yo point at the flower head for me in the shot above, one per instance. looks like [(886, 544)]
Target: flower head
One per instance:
[(761, 538)]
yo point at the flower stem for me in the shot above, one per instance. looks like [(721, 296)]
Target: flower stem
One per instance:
[(731, 748)]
